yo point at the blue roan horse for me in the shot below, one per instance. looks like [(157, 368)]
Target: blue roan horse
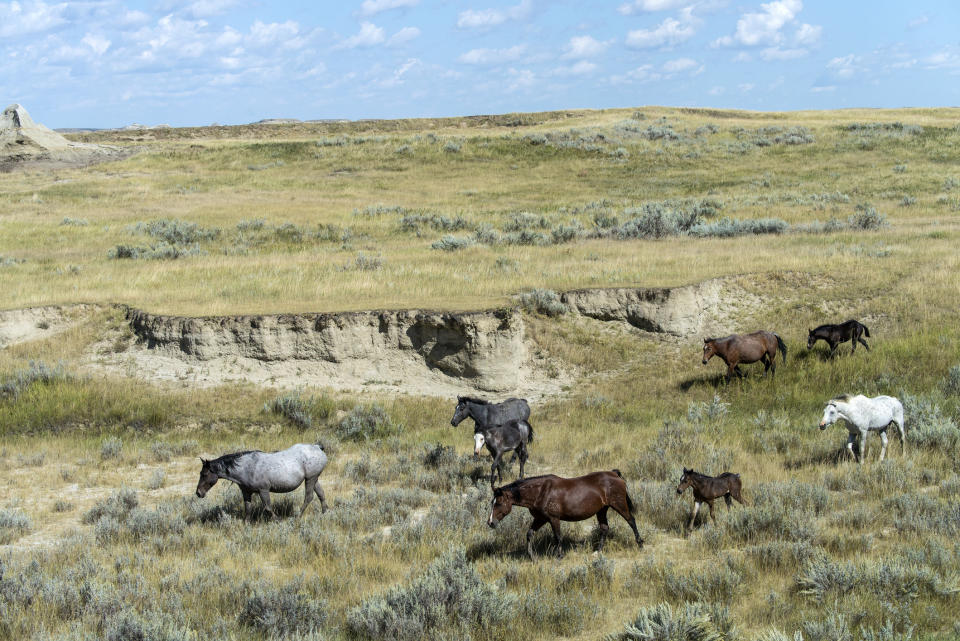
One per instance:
[(264, 472)]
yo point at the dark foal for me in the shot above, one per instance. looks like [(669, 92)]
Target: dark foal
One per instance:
[(852, 331), (745, 348), (707, 488), (500, 439), (552, 499)]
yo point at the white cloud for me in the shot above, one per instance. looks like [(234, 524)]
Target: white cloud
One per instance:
[(745, 87), (399, 72), (678, 65), (764, 28), (776, 53), (370, 35), (845, 66), (716, 91), (492, 56), (651, 5), (942, 60), (487, 18), (17, 19), (207, 8), (580, 68), (808, 34), (918, 22), (585, 47), (373, 7), (403, 36), (670, 32), (275, 33), (643, 73), (98, 44), (520, 79)]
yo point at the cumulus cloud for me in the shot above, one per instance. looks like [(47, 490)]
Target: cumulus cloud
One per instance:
[(33, 17), (372, 7), (208, 8), (585, 47), (764, 28), (403, 36), (370, 35), (680, 64), (778, 53), (638, 6), (580, 68), (844, 66), (98, 44), (487, 18), (397, 77), (669, 33), (492, 56), (808, 34)]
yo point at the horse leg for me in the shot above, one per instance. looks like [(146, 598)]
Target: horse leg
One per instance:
[(323, 499), (864, 343), (538, 522), (308, 485), (696, 508), (850, 439), (523, 457), (833, 348), (604, 527), (712, 517), (726, 498), (247, 497), (624, 511), (883, 446), (903, 436), (555, 525), (265, 500), (863, 444), (495, 468)]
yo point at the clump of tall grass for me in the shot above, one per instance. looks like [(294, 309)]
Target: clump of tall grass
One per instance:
[(449, 599), (543, 301)]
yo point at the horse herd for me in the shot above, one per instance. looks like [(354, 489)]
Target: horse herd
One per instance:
[(505, 427)]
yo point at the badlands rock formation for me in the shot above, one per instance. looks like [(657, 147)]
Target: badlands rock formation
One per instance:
[(24, 141)]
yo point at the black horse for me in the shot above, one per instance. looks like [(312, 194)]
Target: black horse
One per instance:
[(486, 414), (852, 331)]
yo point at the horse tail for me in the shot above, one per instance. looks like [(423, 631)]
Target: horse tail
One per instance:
[(783, 348), (866, 332), (617, 472), (529, 431)]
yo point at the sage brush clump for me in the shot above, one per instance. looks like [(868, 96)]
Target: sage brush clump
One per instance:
[(13, 525), (37, 372), (543, 301), (365, 422)]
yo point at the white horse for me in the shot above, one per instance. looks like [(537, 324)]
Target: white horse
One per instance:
[(864, 414), (260, 473)]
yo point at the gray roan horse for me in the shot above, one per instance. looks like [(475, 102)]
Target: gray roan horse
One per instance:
[(265, 472), (501, 439), (487, 414), (864, 414)]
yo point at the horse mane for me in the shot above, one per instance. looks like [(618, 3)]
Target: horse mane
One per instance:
[(227, 461), (843, 398), (470, 399), (519, 484)]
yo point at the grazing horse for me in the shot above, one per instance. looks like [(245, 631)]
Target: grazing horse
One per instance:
[(501, 439), (264, 472), (707, 488), (864, 414), (487, 414), (852, 331), (552, 499), (745, 348)]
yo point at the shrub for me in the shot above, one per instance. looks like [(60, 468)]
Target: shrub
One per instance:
[(449, 596), (728, 227), (13, 525), (176, 232), (300, 411), (37, 372), (866, 218), (74, 222), (689, 622), (117, 505), (367, 263), (365, 422), (543, 301), (453, 243), (110, 448), (452, 147), (282, 611)]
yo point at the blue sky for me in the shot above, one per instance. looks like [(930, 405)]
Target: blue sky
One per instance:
[(107, 63)]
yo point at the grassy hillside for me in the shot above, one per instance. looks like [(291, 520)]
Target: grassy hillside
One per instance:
[(103, 538)]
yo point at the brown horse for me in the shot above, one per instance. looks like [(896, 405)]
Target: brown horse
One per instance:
[(707, 488), (553, 499), (745, 348)]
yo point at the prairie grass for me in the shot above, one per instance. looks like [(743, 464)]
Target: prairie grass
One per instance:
[(103, 536)]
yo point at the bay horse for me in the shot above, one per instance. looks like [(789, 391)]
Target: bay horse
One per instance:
[(708, 488), (745, 348), (264, 472), (552, 499), (500, 439), (863, 415), (852, 331)]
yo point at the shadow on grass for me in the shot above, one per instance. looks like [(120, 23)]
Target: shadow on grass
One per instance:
[(506, 545), (828, 456)]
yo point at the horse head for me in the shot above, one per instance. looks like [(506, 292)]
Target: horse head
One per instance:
[(830, 415), (208, 478), (709, 349), (685, 481), (478, 440), (811, 339), (500, 506), (461, 412)]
